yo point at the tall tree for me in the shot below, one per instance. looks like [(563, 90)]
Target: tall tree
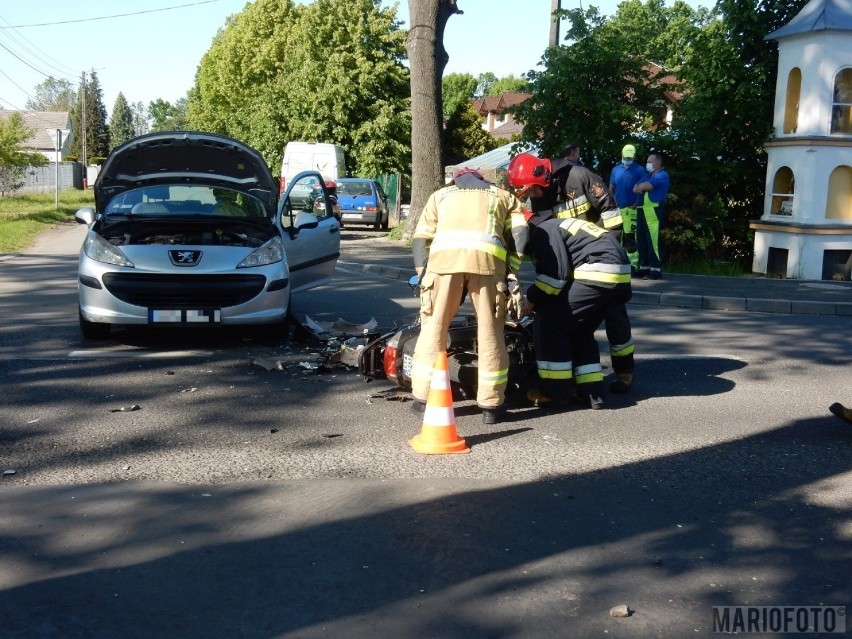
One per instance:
[(120, 122), (53, 95), (508, 84), (93, 127), (140, 118), (456, 88), (14, 158), (428, 59), (331, 71), (464, 136), (166, 116)]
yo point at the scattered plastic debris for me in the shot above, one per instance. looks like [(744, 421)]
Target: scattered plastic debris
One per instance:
[(273, 430), (393, 395), (332, 435), (620, 611), (268, 363), (33, 421), (189, 390), (340, 328), (309, 366), (10, 471), (125, 409)]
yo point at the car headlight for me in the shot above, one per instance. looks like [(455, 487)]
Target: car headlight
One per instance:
[(98, 249), (269, 253)]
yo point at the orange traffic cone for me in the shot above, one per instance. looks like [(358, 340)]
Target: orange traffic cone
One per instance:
[(438, 435)]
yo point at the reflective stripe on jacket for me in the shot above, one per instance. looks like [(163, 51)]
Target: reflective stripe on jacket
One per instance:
[(472, 230)]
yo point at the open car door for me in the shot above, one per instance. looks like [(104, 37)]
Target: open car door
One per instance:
[(311, 231)]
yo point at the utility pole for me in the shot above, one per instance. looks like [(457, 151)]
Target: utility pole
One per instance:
[(555, 5), (83, 120)]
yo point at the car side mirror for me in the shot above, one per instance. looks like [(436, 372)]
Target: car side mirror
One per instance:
[(305, 220), (85, 215)]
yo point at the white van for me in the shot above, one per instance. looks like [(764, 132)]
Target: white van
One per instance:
[(312, 156)]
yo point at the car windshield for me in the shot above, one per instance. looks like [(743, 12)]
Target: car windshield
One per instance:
[(354, 187), (179, 200)]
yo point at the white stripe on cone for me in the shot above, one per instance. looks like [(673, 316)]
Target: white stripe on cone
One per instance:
[(439, 416)]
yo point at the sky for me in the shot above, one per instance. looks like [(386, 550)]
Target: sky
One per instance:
[(150, 49)]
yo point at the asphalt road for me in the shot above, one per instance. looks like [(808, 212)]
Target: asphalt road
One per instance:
[(244, 502)]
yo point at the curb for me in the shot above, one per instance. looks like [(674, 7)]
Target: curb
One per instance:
[(678, 300)]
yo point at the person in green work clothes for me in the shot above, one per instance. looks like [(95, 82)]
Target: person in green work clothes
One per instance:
[(625, 175), (649, 218)]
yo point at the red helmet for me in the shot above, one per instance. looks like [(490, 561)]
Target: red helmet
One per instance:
[(526, 171)]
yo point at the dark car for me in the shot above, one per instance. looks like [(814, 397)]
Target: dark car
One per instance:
[(362, 201)]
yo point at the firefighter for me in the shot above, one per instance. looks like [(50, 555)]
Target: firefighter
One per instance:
[(582, 276), (469, 237), (571, 191)]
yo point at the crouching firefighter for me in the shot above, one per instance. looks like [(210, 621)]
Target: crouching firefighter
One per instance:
[(470, 236), (582, 278)]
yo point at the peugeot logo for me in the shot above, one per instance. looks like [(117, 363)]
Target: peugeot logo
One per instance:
[(185, 258)]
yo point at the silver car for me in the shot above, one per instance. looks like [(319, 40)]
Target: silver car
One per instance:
[(187, 229)]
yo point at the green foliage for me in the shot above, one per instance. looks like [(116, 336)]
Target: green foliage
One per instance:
[(464, 136), (597, 92), (121, 122), (166, 116), (53, 95), (96, 131), (139, 115), (14, 158), (456, 89), (328, 71), (484, 82), (508, 84)]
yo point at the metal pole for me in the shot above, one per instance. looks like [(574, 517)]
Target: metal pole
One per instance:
[(555, 5), (58, 147)]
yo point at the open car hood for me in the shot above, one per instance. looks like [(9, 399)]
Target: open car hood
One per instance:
[(185, 156)]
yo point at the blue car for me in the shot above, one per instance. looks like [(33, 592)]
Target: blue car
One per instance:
[(362, 201)]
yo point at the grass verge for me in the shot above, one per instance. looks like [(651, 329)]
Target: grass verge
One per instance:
[(22, 217)]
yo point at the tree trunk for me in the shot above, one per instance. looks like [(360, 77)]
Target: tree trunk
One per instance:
[(427, 59)]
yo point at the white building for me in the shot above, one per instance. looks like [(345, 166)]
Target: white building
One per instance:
[(805, 231)]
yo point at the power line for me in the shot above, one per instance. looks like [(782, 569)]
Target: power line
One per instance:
[(16, 84), (14, 108), (118, 15), (33, 51)]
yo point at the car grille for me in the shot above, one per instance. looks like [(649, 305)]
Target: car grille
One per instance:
[(183, 291)]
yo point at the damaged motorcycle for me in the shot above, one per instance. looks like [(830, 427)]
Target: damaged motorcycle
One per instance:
[(390, 356)]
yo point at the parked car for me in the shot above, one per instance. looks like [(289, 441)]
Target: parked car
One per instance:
[(362, 201), (187, 229)]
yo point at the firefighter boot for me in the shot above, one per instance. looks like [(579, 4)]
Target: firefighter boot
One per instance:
[(622, 383), (842, 412), (492, 415)]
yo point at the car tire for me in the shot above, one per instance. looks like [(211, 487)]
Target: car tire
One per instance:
[(94, 330), (386, 221)]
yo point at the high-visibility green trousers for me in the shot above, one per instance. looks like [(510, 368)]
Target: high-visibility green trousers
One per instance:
[(628, 234)]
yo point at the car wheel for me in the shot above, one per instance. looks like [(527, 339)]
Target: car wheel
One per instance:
[(385, 221), (94, 330)]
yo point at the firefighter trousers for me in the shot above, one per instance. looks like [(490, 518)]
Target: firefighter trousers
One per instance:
[(440, 297), (590, 306)]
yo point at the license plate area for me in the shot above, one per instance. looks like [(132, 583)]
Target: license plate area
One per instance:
[(184, 316)]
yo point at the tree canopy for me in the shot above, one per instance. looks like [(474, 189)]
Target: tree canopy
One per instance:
[(604, 88), (53, 95), (120, 122), (14, 157), (329, 71), (95, 131)]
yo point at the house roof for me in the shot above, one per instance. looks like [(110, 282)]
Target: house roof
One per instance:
[(817, 15), (508, 129), (40, 122), (499, 103)]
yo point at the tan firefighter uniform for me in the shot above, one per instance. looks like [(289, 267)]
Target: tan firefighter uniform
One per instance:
[(466, 234)]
